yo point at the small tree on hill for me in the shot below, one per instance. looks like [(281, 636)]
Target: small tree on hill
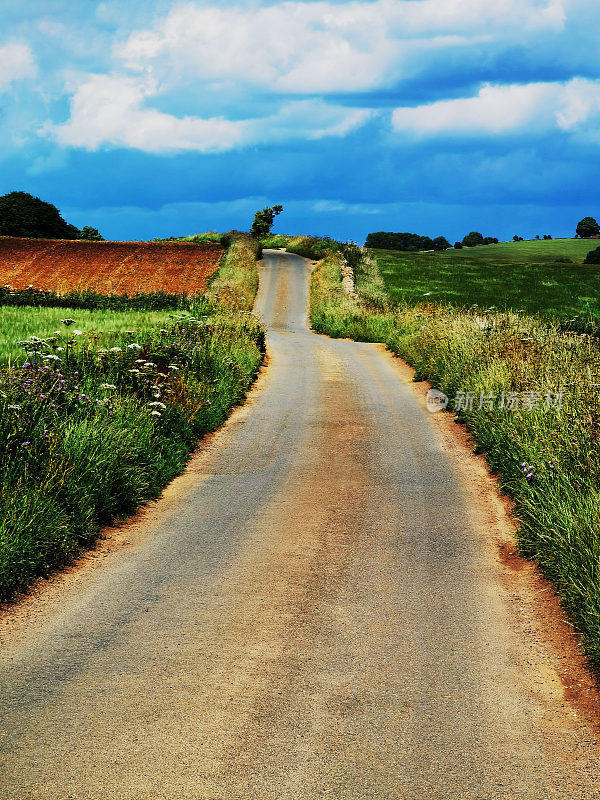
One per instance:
[(588, 227), (24, 215), (263, 221), (90, 234), (517, 238), (458, 246), (441, 243), (473, 239)]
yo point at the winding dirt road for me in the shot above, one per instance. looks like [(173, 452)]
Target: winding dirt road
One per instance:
[(313, 611)]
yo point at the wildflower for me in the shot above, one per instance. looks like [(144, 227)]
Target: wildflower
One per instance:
[(26, 444), (155, 414), (51, 357), (173, 368), (134, 346), (60, 349), (107, 386), (157, 404), (134, 371), (14, 408), (129, 333), (77, 333), (116, 350)]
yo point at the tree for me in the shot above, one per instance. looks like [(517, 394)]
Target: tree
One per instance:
[(22, 214), (587, 227), (490, 240), (458, 246), (90, 234), (441, 243), (411, 242), (517, 238), (263, 221), (473, 239)]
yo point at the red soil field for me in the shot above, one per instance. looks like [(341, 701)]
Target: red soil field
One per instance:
[(108, 267)]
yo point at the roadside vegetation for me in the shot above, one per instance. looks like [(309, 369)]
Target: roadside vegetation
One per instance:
[(96, 420), (545, 449)]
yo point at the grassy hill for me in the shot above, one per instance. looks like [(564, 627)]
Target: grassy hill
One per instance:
[(512, 275)]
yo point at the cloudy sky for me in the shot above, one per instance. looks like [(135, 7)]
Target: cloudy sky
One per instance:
[(435, 116)]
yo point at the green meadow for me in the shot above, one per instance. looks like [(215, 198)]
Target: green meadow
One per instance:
[(547, 278)]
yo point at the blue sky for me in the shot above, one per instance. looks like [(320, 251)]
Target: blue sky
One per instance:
[(434, 116)]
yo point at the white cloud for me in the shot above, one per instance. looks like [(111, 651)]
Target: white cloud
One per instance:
[(527, 108), (16, 63), (110, 111), (318, 47)]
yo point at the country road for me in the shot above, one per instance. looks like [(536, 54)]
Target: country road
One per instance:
[(311, 612)]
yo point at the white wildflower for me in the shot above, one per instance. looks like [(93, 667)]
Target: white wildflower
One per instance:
[(77, 333), (134, 346), (116, 350), (157, 404), (107, 386)]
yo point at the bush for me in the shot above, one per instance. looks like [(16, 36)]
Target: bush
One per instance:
[(593, 257), (263, 221), (458, 246), (441, 243)]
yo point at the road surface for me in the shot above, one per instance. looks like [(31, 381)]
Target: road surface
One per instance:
[(312, 615)]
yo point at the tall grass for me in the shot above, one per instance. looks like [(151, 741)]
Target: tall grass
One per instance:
[(91, 426), (547, 459)]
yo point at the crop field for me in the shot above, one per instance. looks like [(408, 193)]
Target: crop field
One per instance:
[(18, 324), (109, 267), (519, 275)]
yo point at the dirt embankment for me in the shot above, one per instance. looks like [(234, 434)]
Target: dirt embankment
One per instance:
[(108, 267)]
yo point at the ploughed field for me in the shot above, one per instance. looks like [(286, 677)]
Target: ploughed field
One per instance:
[(108, 267)]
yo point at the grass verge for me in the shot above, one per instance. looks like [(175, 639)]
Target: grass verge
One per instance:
[(546, 453), (93, 426)]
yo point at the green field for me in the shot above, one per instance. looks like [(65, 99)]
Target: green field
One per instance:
[(18, 323), (512, 275)]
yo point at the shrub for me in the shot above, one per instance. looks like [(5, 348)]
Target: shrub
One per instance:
[(385, 240), (441, 243), (458, 246), (593, 257)]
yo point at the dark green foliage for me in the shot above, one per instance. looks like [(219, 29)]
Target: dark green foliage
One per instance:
[(263, 221), (441, 243), (26, 216), (90, 234), (473, 239), (593, 257), (490, 240), (458, 246), (410, 242), (517, 238), (587, 227), (149, 301), (547, 236)]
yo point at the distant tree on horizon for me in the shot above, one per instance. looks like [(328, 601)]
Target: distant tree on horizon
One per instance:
[(90, 234), (473, 239), (263, 221), (587, 227)]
